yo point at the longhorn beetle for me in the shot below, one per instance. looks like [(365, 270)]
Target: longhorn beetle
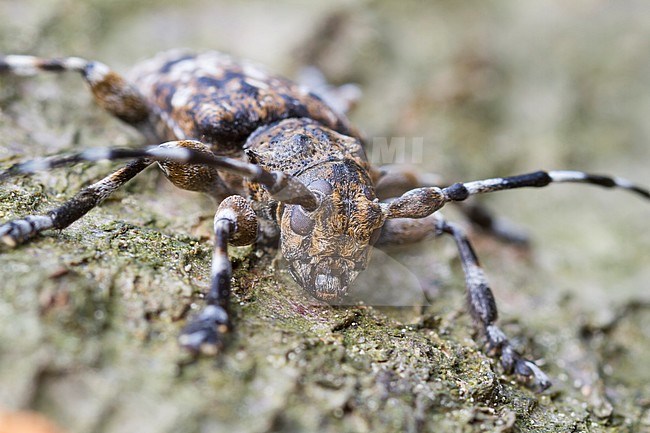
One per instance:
[(286, 166)]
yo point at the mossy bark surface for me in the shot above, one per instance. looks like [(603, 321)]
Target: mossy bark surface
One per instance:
[(89, 315)]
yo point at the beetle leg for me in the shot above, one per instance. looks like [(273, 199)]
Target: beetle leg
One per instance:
[(405, 231), (20, 230), (395, 179), (501, 228), (340, 98), (235, 222), (483, 310), (480, 299), (110, 90)]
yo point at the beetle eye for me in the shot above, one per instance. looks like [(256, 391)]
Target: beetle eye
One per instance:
[(300, 222), (322, 186)]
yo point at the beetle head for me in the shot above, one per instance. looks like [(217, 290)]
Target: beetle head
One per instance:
[(328, 247)]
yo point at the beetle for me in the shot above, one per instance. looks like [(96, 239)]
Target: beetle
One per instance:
[(286, 167)]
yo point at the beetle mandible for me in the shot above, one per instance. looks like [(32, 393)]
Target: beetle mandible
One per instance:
[(286, 166)]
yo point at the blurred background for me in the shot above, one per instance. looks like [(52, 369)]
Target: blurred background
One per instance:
[(491, 88)]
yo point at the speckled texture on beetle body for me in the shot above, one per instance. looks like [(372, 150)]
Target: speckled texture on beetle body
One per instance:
[(221, 101), (237, 108)]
